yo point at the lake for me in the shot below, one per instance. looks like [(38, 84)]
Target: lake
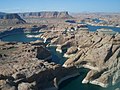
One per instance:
[(20, 37), (73, 83), (94, 28)]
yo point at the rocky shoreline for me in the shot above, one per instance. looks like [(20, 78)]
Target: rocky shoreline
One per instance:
[(96, 51), (22, 68), (29, 66)]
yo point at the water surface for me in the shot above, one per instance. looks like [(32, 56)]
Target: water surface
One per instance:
[(19, 37), (94, 28), (73, 83)]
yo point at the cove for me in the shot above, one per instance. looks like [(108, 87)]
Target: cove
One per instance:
[(19, 37), (70, 84), (94, 28)]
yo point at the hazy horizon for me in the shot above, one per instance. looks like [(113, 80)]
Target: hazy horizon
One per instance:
[(76, 6), (61, 11)]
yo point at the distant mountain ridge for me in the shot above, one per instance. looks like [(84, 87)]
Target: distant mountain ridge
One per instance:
[(17, 18), (45, 14), (9, 19), (2, 14)]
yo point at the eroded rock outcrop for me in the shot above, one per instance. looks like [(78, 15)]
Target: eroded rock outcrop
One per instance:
[(21, 69), (11, 19), (96, 51), (102, 57), (71, 51), (45, 15)]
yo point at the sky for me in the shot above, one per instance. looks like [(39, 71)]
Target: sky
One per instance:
[(13, 6)]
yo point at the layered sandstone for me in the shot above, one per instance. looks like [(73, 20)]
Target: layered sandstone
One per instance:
[(45, 14), (23, 66), (11, 19), (96, 51)]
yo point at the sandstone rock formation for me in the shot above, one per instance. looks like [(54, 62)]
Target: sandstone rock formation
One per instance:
[(14, 50), (96, 51), (71, 51), (22, 69), (1, 14), (11, 19), (45, 15)]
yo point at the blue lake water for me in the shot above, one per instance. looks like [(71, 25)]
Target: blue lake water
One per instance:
[(76, 82), (94, 28), (73, 83), (19, 37), (56, 56)]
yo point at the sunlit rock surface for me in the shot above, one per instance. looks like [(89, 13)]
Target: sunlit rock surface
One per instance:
[(24, 66), (97, 51)]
